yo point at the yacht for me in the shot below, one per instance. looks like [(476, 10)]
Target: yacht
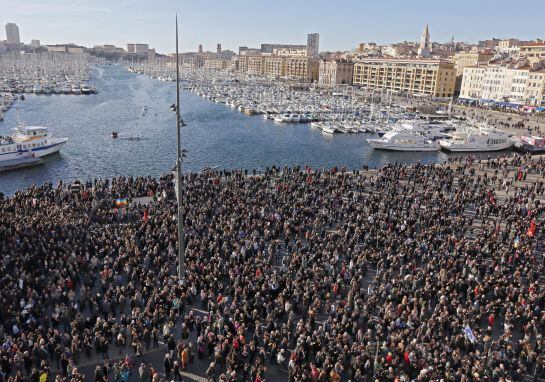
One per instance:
[(57, 89), (25, 140), (531, 144), (67, 89), (47, 88), (85, 89), (329, 129), (37, 88), (477, 140), (76, 89), (408, 137)]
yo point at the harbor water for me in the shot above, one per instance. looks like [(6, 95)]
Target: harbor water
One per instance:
[(138, 108)]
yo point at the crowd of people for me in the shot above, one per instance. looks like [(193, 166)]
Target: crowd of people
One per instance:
[(403, 273)]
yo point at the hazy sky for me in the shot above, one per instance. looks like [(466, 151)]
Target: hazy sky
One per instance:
[(342, 24)]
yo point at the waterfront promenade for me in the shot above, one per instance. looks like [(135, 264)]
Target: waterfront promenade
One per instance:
[(292, 275)]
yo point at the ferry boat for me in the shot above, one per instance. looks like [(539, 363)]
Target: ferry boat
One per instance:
[(28, 141), (406, 137), (481, 139)]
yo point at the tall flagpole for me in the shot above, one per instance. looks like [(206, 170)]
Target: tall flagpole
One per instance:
[(181, 243)]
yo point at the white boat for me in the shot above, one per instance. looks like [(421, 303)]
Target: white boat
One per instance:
[(76, 89), (37, 88), (25, 140), (329, 129), (408, 137), (67, 89), (47, 88), (85, 89), (477, 140)]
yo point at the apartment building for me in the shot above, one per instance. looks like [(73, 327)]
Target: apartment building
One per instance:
[(516, 83), (302, 68), (534, 52), (335, 72), (466, 59), (255, 65), (274, 66), (435, 78)]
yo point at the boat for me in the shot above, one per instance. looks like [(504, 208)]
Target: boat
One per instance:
[(47, 88), (85, 89), (76, 89), (37, 88), (531, 144), (480, 139), (66, 89), (405, 140), (25, 160), (29, 140), (329, 129), (94, 89)]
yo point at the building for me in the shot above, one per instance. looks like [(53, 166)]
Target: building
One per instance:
[(274, 66), (533, 52), (465, 59), (489, 44), (269, 48), (138, 48), (35, 43), (335, 72), (109, 49), (518, 83), (218, 48), (424, 49), (215, 64), (302, 68), (313, 45), (200, 48), (56, 48), (509, 46), (435, 78), (290, 52), (75, 49), (12, 34), (256, 65)]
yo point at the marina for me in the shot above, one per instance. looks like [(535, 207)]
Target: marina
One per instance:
[(137, 108)]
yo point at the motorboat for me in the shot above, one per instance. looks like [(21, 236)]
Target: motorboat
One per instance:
[(480, 139), (25, 140), (408, 137), (85, 89), (37, 88), (531, 144), (76, 89), (47, 88), (329, 129)]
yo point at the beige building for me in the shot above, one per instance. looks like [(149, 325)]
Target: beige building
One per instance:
[(255, 65), (533, 52), (465, 59), (290, 52), (302, 68), (515, 83), (215, 64), (436, 78), (274, 66), (335, 72)]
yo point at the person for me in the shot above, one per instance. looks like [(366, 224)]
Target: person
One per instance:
[(168, 366)]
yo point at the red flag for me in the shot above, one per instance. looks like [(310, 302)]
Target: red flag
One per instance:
[(146, 216), (532, 229)]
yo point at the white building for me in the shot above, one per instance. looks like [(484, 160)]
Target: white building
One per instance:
[(12, 33), (515, 83), (313, 45)]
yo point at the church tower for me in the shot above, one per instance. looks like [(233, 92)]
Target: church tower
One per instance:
[(424, 49)]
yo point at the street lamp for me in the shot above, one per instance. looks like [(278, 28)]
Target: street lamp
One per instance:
[(180, 154)]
